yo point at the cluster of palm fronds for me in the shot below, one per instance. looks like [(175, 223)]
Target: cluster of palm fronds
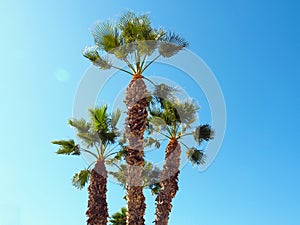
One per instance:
[(132, 39)]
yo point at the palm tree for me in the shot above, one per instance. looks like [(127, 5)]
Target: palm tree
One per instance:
[(133, 40), (119, 218), (99, 135), (174, 120)]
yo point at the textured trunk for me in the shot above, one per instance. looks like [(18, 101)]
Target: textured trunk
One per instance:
[(168, 182), (97, 212), (136, 103)]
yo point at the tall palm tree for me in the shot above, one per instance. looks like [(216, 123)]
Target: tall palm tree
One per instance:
[(174, 120), (97, 137), (133, 40)]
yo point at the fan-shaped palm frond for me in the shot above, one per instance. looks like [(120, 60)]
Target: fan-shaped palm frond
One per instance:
[(92, 54), (84, 132), (171, 44), (81, 178), (195, 156), (115, 116), (81, 125), (67, 147), (151, 141), (106, 36), (136, 27), (187, 111), (163, 92), (203, 133)]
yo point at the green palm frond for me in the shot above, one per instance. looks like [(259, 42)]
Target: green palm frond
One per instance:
[(101, 124), (119, 218), (151, 176), (163, 92), (67, 147), (171, 44), (106, 36), (89, 139), (84, 132), (187, 111), (120, 174), (151, 141), (120, 155), (157, 121), (99, 118), (81, 125), (136, 27), (115, 116), (196, 157), (81, 178), (170, 113), (155, 188), (92, 54), (203, 133)]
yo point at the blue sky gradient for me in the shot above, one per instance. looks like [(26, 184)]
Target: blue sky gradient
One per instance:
[(251, 46)]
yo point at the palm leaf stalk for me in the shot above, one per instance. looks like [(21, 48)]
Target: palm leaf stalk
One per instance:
[(97, 137), (133, 37), (174, 119)]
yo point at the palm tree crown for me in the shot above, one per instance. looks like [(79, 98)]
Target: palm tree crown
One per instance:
[(132, 38)]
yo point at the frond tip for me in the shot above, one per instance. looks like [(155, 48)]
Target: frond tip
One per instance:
[(67, 147), (81, 178), (196, 157)]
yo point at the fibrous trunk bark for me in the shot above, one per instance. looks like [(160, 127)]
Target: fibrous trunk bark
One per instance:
[(97, 212), (168, 182), (136, 103)]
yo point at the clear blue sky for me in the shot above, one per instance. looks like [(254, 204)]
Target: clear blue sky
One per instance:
[(252, 47)]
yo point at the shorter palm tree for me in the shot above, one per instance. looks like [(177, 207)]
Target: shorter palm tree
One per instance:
[(174, 120), (98, 138)]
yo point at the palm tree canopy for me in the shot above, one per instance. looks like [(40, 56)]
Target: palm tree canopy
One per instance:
[(175, 119), (100, 130), (98, 133), (132, 37)]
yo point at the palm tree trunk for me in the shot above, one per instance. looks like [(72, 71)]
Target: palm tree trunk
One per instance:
[(97, 212), (168, 182), (136, 102)]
